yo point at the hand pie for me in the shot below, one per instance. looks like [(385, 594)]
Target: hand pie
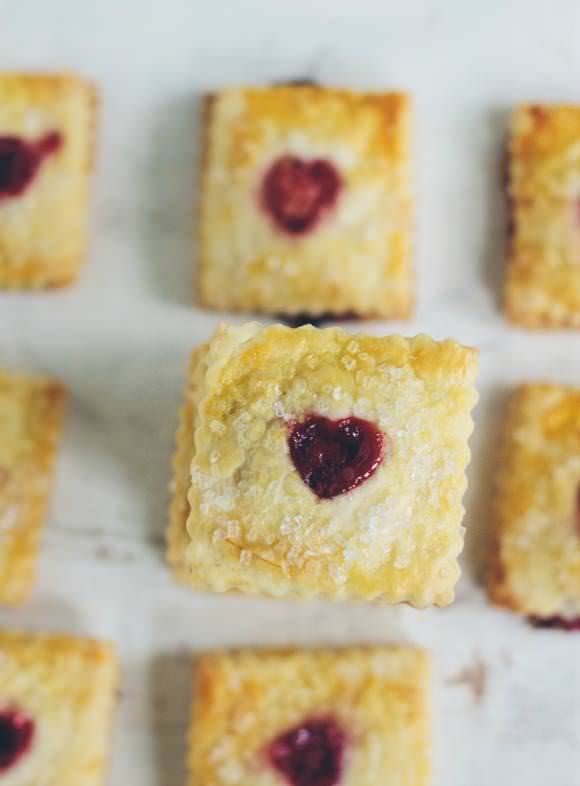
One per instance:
[(354, 717), (536, 559), (47, 140), (56, 700), (31, 413), (543, 277), (306, 203), (317, 463)]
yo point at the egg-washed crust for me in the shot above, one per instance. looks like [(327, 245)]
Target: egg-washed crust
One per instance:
[(360, 259), (177, 538), (250, 523), (535, 567), (44, 232), (243, 700), (543, 276), (68, 686), (31, 416)]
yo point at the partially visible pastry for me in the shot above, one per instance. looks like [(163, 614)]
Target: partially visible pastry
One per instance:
[(47, 141), (57, 695), (31, 419), (543, 274), (536, 557), (353, 717)]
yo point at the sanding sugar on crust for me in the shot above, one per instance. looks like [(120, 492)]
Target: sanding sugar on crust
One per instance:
[(57, 695), (543, 274), (306, 203), (31, 420), (354, 717), (246, 517), (535, 567), (47, 150)]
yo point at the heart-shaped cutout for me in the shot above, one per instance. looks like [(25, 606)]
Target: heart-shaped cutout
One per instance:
[(296, 193), (20, 160), (310, 754), (335, 456), (16, 735)]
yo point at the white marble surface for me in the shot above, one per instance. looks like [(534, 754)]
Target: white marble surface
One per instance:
[(507, 699)]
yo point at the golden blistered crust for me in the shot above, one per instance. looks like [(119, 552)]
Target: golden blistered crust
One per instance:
[(67, 686), (543, 277), (31, 413), (43, 232), (251, 524), (244, 700), (536, 556), (177, 538), (359, 258)]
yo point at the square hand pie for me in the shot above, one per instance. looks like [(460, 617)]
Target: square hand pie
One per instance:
[(31, 413), (536, 562), (306, 203), (56, 701), (313, 462), (543, 277), (354, 717), (47, 129)]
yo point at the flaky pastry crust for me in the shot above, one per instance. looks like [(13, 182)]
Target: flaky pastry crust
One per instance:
[(243, 700), (360, 259), (67, 686), (543, 276), (243, 519), (536, 557), (43, 232), (31, 414)]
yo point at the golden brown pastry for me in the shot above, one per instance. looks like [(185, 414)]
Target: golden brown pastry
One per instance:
[(47, 130), (314, 462), (56, 701), (536, 559), (543, 277), (354, 717), (306, 203), (31, 414)]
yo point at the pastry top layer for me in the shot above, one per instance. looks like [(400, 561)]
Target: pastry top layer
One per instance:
[(67, 687), (33, 104), (358, 258), (254, 524), (262, 114), (177, 536), (245, 699), (31, 414), (38, 246), (545, 152), (537, 560), (543, 287)]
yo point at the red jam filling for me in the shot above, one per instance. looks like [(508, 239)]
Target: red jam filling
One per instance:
[(296, 193), (556, 622), (16, 735), (311, 754), (335, 456), (20, 161)]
